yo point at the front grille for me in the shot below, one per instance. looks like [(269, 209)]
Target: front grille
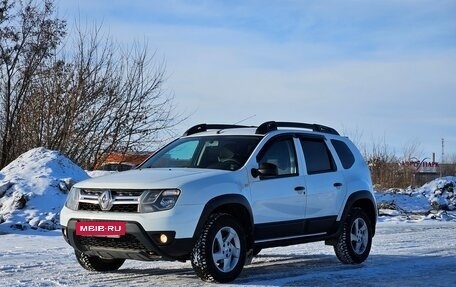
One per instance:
[(124, 242), (89, 206), (116, 208), (121, 200), (125, 208)]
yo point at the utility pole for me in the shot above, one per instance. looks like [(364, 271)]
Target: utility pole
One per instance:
[(443, 156), (443, 150)]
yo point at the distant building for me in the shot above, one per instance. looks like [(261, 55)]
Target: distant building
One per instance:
[(424, 172), (117, 161)]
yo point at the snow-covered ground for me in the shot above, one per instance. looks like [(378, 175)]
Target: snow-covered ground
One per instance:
[(415, 243), (403, 254)]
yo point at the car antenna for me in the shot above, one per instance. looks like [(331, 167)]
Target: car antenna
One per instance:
[(219, 131), (243, 120)]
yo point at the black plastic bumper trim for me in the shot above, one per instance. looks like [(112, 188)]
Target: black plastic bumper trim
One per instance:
[(144, 245)]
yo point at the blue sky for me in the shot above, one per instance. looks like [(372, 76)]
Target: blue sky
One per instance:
[(378, 71)]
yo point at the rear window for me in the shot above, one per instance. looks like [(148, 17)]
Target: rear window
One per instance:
[(343, 151)]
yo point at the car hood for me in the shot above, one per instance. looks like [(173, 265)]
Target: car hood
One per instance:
[(149, 178)]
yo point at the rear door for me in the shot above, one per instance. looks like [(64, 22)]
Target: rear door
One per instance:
[(326, 188)]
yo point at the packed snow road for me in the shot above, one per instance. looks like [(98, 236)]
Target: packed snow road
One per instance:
[(403, 254)]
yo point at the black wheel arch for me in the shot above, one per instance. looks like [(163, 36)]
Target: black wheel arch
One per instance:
[(234, 204), (365, 200)]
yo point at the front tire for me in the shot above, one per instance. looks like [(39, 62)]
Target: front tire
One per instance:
[(220, 252), (95, 263), (354, 243)]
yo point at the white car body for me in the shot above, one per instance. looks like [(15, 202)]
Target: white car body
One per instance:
[(297, 206)]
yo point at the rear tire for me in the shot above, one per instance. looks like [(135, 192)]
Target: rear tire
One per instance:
[(220, 252), (354, 243), (95, 263)]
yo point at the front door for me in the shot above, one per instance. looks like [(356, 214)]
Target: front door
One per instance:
[(278, 201)]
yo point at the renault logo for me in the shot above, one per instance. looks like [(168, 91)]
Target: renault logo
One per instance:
[(105, 200)]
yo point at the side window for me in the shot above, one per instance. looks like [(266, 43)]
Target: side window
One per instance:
[(317, 156), (343, 151), (282, 154)]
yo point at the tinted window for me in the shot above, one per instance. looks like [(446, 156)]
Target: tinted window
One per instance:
[(282, 154), (318, 158), (343, 151)]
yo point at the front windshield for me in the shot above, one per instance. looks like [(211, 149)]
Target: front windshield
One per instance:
[(217, 152)]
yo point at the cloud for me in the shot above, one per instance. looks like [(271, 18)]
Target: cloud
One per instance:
[(386, 67)]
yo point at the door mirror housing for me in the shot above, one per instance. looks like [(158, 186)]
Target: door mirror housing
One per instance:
[(265, 170)]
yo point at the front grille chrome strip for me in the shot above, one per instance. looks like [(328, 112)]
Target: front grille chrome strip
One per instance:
[(119, 197)]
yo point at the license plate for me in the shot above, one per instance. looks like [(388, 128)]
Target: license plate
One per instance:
[(101, 228)]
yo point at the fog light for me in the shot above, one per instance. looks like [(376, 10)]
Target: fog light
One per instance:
[(163, 238)]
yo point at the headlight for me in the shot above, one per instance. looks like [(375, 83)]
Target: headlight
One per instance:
[(158, 200), (72, 201)]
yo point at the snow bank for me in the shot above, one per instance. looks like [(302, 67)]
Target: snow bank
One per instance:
[(33, 189), (434, 200), (442, 193)]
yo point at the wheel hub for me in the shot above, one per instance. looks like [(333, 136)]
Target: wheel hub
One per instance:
[(359, 236), (226, 248)]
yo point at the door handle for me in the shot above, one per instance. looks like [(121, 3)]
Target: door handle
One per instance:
[(300, 189), (337, 184)]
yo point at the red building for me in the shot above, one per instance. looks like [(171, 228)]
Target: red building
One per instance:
[(122, 161)]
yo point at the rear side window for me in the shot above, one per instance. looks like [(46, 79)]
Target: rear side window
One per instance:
[(343, 151), (318, 158)]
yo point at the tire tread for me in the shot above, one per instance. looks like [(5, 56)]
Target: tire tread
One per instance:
[(93, 263), (343, 246), (202, 261)]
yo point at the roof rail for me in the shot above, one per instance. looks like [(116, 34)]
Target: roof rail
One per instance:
[(272, 126), (204, 127)]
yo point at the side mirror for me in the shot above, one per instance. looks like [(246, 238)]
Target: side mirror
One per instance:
[(265, 169)]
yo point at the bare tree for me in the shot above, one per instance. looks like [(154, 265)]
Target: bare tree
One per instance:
[(94, 99), (356, 136), (29, 34), (411, 153), (411, 150)]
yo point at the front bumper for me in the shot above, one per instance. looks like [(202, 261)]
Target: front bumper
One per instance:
[(136, 244)]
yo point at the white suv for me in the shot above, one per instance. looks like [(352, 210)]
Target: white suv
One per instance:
[(220, 193)]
